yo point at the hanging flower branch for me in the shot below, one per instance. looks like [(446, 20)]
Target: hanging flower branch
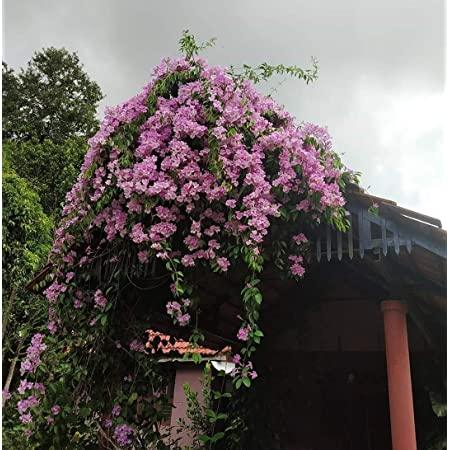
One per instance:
[(193, 171)]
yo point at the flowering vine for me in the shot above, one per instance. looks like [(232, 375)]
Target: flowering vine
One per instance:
[(197, 170)]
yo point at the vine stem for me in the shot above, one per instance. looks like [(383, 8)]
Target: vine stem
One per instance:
[(102, 432), (217, 409)]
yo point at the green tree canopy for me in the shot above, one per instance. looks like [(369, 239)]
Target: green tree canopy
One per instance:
[(50, 168), (26, 231), (53, 98)]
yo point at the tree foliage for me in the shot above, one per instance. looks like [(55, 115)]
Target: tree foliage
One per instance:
[(26, 241), (26, 231), (49, 167), (48, 112), (52, 98)]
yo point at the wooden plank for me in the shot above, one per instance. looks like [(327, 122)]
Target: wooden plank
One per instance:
[(396, 241), (339, 245), (318, 248), (328, 243), (383, 237), (408, 245), (361, 234), (414, 215), (350, 239)]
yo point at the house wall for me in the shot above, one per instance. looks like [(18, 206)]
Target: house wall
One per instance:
[(348, 326), (323, 380)]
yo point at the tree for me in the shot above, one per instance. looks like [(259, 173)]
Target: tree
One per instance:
[(26, 231), (50, 168), (10, 100), (53, 98), (26, 242)]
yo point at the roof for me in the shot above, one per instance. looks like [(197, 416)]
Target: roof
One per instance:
[(395, 253), (425, 231), (160, 343)]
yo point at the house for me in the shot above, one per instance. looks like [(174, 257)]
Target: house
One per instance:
[(353, 355)]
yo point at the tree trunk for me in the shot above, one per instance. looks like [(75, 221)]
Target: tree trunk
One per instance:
[(7, 312), (9, 378)]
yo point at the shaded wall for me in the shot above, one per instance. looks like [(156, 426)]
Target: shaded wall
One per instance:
[(323, 381)]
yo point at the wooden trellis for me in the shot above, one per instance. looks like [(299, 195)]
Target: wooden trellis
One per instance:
[(368, 232)]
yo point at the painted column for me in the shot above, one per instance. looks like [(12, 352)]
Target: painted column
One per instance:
[(192, 376), (399, 376)]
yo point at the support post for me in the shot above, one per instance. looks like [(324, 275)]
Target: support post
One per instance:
[(399, 376)]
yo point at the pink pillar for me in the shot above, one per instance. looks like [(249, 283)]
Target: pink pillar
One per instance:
[(192, 376), (399, 376)]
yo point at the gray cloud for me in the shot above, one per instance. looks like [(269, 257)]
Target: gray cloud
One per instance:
[(381, 68)]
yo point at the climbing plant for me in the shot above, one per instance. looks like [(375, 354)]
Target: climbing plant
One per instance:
[(197, 170)]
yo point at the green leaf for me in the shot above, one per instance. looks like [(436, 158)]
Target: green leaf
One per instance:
[(204, 438), (132, 398), (217, 437)]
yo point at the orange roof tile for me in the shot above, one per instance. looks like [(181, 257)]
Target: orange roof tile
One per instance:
[(164, 343)]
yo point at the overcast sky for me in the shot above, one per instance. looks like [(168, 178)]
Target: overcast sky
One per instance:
[(381, 80)]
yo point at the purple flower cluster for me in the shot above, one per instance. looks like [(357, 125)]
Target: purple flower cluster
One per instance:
[(123, 434), (25, 405), (116, 410), (26, 385), (33, 358), (55, 409), (243, 333), (100, 300), (6, 395), (213, 163), (242, 369), (137, 346), (178, 311), (239, 195)]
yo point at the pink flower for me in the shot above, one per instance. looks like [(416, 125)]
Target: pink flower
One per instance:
[(34, 351), (77, 304), (6, 395), (99, 299), (26, 418), (236, 359), (137, 346), (24, 386), (107, 423), (69, 276), (122, 434), (56, 409), (40, 388), (143, 256), (223, 263), (243, 333), (173, 308), (184, 319), (299, 238), (116, 410), (137, 234), (52, 327)]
